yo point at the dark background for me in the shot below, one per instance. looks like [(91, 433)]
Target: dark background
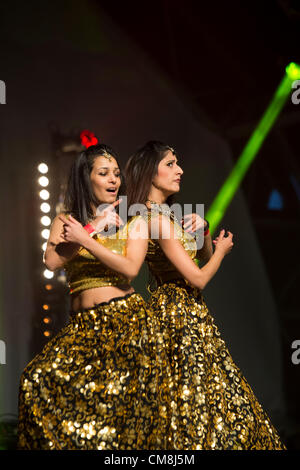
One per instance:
[(198, 75)]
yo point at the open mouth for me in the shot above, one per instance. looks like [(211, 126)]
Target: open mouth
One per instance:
[(112, 190)]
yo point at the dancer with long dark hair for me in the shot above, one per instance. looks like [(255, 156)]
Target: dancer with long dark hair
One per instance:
[(213, 406), (100, 383)]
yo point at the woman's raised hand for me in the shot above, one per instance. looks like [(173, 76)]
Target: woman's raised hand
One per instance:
[(73, 231), (224, 243), (192, 222), (107, 218)]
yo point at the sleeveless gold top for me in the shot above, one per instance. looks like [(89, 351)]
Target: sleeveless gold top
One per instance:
[(159, 265), (85, 271)]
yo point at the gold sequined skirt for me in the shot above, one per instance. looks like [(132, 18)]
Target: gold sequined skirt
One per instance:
[(101, 383), (212, 405)]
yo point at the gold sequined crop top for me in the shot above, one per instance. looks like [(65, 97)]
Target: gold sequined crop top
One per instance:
[(85, 271), (159, 265)]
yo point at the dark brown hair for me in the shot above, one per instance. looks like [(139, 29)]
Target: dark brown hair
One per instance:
[(141, 169), (79, 196)]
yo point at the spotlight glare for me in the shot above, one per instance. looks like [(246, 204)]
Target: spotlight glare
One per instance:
[(230, 186), (45, 233), (43, 168), (293, 71), (45, 220), (45, 207), (48, 274), (44, 246), (44, 194), (43, 181)]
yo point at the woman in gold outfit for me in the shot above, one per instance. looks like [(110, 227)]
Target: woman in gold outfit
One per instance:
[(212, 405), (95, 385)]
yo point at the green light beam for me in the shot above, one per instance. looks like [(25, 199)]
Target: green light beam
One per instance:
[(225, 195)]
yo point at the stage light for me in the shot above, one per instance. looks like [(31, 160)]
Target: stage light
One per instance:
[(44, 194), (45, 207), (45, 220), (45, 233), (48, 274), (293, 71), (43, 181), (43, 168), (226, 193), (275, 202)]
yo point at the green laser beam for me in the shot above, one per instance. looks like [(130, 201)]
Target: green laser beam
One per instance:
[(228, 189)]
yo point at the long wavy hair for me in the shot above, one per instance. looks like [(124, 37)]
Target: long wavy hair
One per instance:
[(140, 170), (79, 196)]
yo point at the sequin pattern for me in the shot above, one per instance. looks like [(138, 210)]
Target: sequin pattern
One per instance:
[(212, 406), (101, 383)]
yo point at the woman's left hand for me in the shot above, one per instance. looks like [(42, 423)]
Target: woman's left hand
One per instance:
[(73, 230), (193, 222)]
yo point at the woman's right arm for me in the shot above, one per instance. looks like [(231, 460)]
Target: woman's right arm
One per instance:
[(175, 252), (58, 251)]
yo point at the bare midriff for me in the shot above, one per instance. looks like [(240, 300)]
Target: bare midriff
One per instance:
[(91, 297)]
